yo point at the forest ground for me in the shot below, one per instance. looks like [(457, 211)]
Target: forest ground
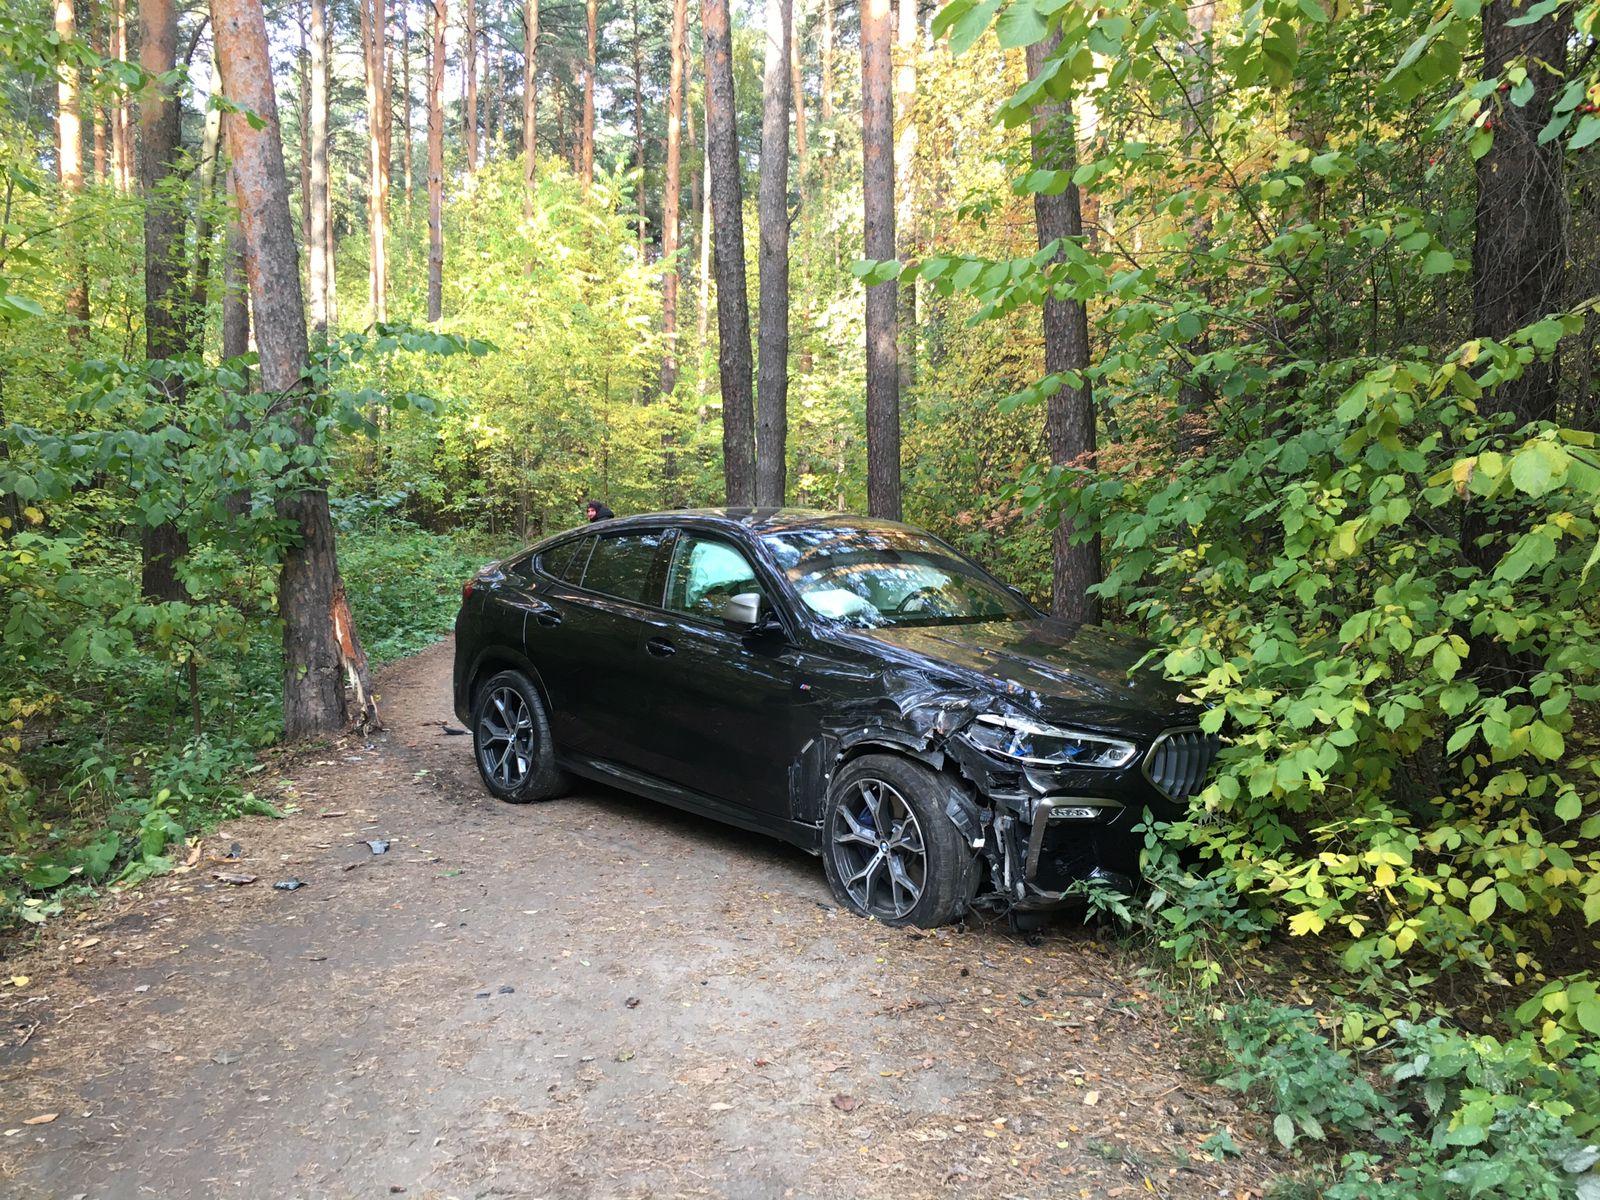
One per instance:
[(594, 997)]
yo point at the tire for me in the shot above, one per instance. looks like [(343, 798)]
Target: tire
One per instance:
[(521, 767), (910, 799)]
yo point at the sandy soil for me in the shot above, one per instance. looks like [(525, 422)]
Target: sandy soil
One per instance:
[(594, 997)]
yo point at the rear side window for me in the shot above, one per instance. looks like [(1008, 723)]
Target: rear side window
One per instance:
[(560, 560), (624, 566)]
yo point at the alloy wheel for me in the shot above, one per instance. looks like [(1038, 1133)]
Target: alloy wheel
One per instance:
[(505, 738), (878, 849)]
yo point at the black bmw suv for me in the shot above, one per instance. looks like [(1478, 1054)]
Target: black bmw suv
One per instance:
[(854, 686)]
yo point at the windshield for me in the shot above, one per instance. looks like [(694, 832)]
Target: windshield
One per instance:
[(880, 575)]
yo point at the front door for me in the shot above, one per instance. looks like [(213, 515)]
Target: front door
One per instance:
[(726, 719)]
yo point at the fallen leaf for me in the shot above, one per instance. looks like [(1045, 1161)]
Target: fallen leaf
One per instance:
[(42, 1119), (846, 1103), (19, 981), (1091, 1098), (232, 877)]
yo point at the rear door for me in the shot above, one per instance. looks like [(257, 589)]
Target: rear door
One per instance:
[(593, 638)]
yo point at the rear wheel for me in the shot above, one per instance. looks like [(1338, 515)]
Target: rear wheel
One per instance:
[(511, 741), (890, 851)]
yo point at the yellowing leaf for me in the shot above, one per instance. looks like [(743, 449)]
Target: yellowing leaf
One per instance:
[(1306, 922)]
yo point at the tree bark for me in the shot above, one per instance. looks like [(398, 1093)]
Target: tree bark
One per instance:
[(727, 210), (470, 83), (530, 103), (303, 105), (877, 145), (163, 546), (235, 317), (670, 197), (772, 202), (405, 98), (318, 637), (908, 39), (1069, 416), (69, 161), (702, 320), (586, 142), (797, 92), (436, 163), (373, 42), (97, 43), (121, 122), (1520, 242), (638, 124), (320, 273)]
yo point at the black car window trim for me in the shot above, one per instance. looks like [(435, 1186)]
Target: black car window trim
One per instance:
[(655, 582), (580, 553)]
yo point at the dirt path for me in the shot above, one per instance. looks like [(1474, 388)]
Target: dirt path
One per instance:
[(595, 997)]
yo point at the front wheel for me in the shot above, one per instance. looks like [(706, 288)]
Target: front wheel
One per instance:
[(890, 851), (511, 741)]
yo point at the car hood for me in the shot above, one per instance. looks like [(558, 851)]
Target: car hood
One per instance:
[(1056, 668)]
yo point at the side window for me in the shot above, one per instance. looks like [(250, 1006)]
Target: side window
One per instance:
[(558, 559), (704, 574), (623, 566)]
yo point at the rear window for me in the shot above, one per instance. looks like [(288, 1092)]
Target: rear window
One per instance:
[(624, 566)]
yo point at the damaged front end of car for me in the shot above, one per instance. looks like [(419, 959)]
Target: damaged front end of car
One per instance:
[(1048, 805)]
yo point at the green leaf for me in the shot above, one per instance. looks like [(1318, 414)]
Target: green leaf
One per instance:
[(1569, 806), (970, 27), (1020, 25), (1588, 131), (1438, 262), (1283, 1129), (1546, 742), (1539, 467), (1483, 905), (1588, 1015)]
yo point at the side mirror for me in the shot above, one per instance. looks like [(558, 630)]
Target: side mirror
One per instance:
[(743, 609)]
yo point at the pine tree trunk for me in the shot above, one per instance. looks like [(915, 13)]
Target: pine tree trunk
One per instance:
[(97, 43), (670, 197), (405, 100), (1519, 249), (436, 163), (373, 42), (877, 145), (797, 92), (121, 123), (235, 316), (727, 210), (320, 273), (165, 298), (470, 107), (908, 41), (772, 202), (1069, 417), (702, 320), (303, 105), (530, 103), (69, 160), (638, 125), (319, 642), (586, 143)]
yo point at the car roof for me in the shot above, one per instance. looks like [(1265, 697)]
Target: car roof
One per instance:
[(753, 520)]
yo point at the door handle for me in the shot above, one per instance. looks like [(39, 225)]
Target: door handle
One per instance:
[(660, 647), (548, 617)]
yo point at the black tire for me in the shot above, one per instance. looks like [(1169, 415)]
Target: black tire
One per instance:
[(949, 873), (521, 768)]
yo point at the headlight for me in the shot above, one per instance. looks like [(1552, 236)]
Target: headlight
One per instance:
[(1039, 745)]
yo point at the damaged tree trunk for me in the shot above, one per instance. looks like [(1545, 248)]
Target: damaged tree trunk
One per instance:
[(319, 639)]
